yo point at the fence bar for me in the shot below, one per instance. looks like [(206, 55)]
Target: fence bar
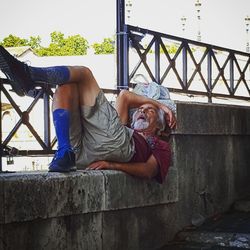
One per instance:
[(231, 73), (157, 61), (122, 46), (184, 65), (209, 74), (46, 107)]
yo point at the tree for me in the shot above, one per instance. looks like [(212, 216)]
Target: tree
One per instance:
[(35, 42), (60, 46), (14, 41), (106, 47)]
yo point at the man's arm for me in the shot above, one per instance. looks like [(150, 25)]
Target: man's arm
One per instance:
[(127, 100), (145, 170)]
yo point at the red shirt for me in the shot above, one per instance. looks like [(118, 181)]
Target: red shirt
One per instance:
[(160, 150)]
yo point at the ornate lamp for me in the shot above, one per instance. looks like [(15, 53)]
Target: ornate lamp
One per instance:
[(183, 23), (247, 22), (198, 10), (128, 10)]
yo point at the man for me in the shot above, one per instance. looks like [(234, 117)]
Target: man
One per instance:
[(90, 132)]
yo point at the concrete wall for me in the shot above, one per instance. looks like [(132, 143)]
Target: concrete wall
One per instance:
[(111, 210)]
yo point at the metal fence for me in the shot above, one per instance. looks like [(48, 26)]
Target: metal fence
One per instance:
[(45, 141), (184, 66)]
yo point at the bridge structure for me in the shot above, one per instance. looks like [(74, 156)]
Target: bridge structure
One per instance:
[(191, 68), (112, 210)]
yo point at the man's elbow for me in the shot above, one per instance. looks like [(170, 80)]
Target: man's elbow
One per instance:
[(123, 95), (150, 173)]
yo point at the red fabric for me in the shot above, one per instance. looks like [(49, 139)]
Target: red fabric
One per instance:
[(159, 148)]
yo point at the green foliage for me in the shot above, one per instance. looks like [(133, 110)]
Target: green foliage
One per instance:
[(106, 47), (171, 49), (14, 41), (35, 42), (60, 46)]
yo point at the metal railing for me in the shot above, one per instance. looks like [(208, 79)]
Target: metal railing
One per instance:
[(47, 141), (196, 68)]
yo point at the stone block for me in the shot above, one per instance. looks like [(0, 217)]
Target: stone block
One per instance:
[(194, 118), (61, 233), (34, 195), (123, 191), (144, 228)]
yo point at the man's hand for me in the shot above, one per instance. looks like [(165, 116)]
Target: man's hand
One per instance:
[(170, 117), (147, 169), (100, 165)]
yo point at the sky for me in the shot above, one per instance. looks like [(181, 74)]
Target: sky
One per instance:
[(222, 21)]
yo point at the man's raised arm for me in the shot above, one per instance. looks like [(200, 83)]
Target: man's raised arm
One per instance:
[(127, 99)]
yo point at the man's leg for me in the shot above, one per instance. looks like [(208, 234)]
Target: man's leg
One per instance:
[(81, 89), (24, 78), (17, 72)]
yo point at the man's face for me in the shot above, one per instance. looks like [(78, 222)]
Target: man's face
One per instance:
[(145, 118)]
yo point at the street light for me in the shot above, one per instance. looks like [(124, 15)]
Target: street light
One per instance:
[(128, 10), (183, 23), (247, 21), (198, 10)]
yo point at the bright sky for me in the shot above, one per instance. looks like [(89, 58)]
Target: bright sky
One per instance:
[(222, 21)]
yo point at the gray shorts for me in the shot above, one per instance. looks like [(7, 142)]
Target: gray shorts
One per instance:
[(96, 133)]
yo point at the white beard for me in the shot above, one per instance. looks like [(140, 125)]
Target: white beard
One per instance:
[(140, 124)]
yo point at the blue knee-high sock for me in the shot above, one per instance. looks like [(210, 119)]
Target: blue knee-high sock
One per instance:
[(51, 75), (61, 118)]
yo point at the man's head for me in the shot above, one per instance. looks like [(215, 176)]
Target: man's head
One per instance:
[(148, 118)]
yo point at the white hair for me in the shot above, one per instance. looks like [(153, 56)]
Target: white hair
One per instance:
[(161, 121)]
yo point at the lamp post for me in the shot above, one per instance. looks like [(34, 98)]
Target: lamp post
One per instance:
[(183, 23), (198, 10), (128, 10), (247, 21)]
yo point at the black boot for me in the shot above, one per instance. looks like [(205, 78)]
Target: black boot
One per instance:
[(17, 72)]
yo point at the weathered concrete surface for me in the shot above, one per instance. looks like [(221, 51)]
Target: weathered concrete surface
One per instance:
[(242, 205), (144, 228), (31, 195), (68, 232), (230, 230), (28, 196), (211, 119), (115, 211), (131, 194), (213, 171)]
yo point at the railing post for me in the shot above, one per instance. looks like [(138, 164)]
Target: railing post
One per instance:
[(232, 73), (46, 106), (209, 74), (184, 65), (157, 61), (122, 46)]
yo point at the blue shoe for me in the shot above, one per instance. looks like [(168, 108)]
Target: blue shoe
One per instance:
[(17, 72), (66, 163)]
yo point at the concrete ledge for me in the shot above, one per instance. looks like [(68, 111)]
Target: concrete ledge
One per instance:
[(209, 119), (111, 210), (33, 195)]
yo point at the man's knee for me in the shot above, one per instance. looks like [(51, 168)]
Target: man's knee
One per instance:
[(66, 95), (86, 73)]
